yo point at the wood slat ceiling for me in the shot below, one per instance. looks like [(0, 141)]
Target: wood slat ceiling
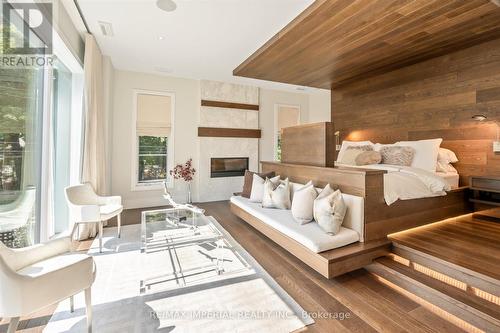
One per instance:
[(334, 42)]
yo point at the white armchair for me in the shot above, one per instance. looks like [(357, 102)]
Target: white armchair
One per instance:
[(86, 206), (34, 277)]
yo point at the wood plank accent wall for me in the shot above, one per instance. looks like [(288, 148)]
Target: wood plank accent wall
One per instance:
[(435, 98), (219, 132), (308, 144), (230, 105)]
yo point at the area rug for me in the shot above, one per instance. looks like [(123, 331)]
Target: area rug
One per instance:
[(244, 298)]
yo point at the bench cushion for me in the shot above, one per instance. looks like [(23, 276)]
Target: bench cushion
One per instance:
[(309, 235)]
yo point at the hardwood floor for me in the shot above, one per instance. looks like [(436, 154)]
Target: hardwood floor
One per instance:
[(467, 241), (372, 306), (355, 302)]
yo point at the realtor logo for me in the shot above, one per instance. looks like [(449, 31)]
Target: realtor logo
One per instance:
[(27, 28)]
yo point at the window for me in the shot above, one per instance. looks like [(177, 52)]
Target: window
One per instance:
[(284, 116), (152, 158), (154, 140)]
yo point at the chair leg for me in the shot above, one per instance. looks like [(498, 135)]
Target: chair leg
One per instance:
[(13, 325), (72, 304), (119, 217), (88, 305), (100, 236)]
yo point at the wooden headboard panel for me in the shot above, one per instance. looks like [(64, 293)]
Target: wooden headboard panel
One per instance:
[(432, 99)]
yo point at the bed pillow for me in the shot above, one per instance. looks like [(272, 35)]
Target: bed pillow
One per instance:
[(258, 187), (329, 211), (276, 195), (447, 156), (426, 153), (445, 167), (303, 203), (346, 144), (352, 152), (368, 157), (248, 180), (397, 155)]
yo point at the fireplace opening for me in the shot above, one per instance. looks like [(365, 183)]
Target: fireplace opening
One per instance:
[(228, 166)]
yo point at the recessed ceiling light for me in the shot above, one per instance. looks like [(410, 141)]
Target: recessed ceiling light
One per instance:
[(166, 5), (161, 37)]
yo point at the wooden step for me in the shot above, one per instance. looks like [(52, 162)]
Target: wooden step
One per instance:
[(476, 311), (469, 277)]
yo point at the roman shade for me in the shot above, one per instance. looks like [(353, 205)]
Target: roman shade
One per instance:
[(153, 115)]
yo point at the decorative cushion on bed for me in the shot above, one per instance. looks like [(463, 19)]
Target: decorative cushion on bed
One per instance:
[(352, 152), (397, 155), (276, 195), (426, 153), (346, 144), (258, 187), (303, 203), (368, 157), (247, 185), (330, 210)]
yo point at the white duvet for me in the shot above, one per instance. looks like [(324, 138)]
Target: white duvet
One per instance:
[(405, 183)]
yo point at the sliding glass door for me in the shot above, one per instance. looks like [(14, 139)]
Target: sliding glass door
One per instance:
[(21, 103), (40, 142)]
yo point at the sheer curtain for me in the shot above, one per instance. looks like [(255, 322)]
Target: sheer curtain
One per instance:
[(94, 150)]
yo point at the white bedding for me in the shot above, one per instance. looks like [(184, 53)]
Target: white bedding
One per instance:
[(451, 178), (405, 183)]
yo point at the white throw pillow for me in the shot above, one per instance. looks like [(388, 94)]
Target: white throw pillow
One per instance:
[(323, 194), (303, 203), (258, 187), (445, 167), (276, 195), (447, 156), (346, 144), (426, 153), (329, 211)]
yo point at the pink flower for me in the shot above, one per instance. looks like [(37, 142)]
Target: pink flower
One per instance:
[(185, 172)]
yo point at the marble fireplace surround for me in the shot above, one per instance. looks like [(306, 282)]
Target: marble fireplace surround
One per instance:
[(221, 188)]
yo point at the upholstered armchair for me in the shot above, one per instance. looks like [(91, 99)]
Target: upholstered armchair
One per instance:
[(86, 206), (34, 277)]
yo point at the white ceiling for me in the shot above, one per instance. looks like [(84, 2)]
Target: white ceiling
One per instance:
[(202, 39)]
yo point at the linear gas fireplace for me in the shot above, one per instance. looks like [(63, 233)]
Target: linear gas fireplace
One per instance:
[(228, 166)]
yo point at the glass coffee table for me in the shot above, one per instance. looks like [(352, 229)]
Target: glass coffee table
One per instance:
[(173, 238)]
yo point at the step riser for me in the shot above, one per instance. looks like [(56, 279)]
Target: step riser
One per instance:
[(460, 310), (471, 279)]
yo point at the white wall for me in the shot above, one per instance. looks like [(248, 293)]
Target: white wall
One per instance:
[(315, 106), (319, 106), (186, 114)]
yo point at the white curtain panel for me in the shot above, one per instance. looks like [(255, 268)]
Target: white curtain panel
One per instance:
[(94, 150)]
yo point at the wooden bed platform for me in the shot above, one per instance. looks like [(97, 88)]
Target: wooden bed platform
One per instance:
[(380, 219)]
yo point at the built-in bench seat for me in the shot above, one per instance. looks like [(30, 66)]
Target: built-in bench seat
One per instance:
[(329, 255), (309, 235)]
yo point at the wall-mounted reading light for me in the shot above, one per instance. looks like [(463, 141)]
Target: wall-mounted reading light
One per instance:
[(337, 141), (482, 118)]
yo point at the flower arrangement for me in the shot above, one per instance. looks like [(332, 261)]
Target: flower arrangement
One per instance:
[(184, 171)]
